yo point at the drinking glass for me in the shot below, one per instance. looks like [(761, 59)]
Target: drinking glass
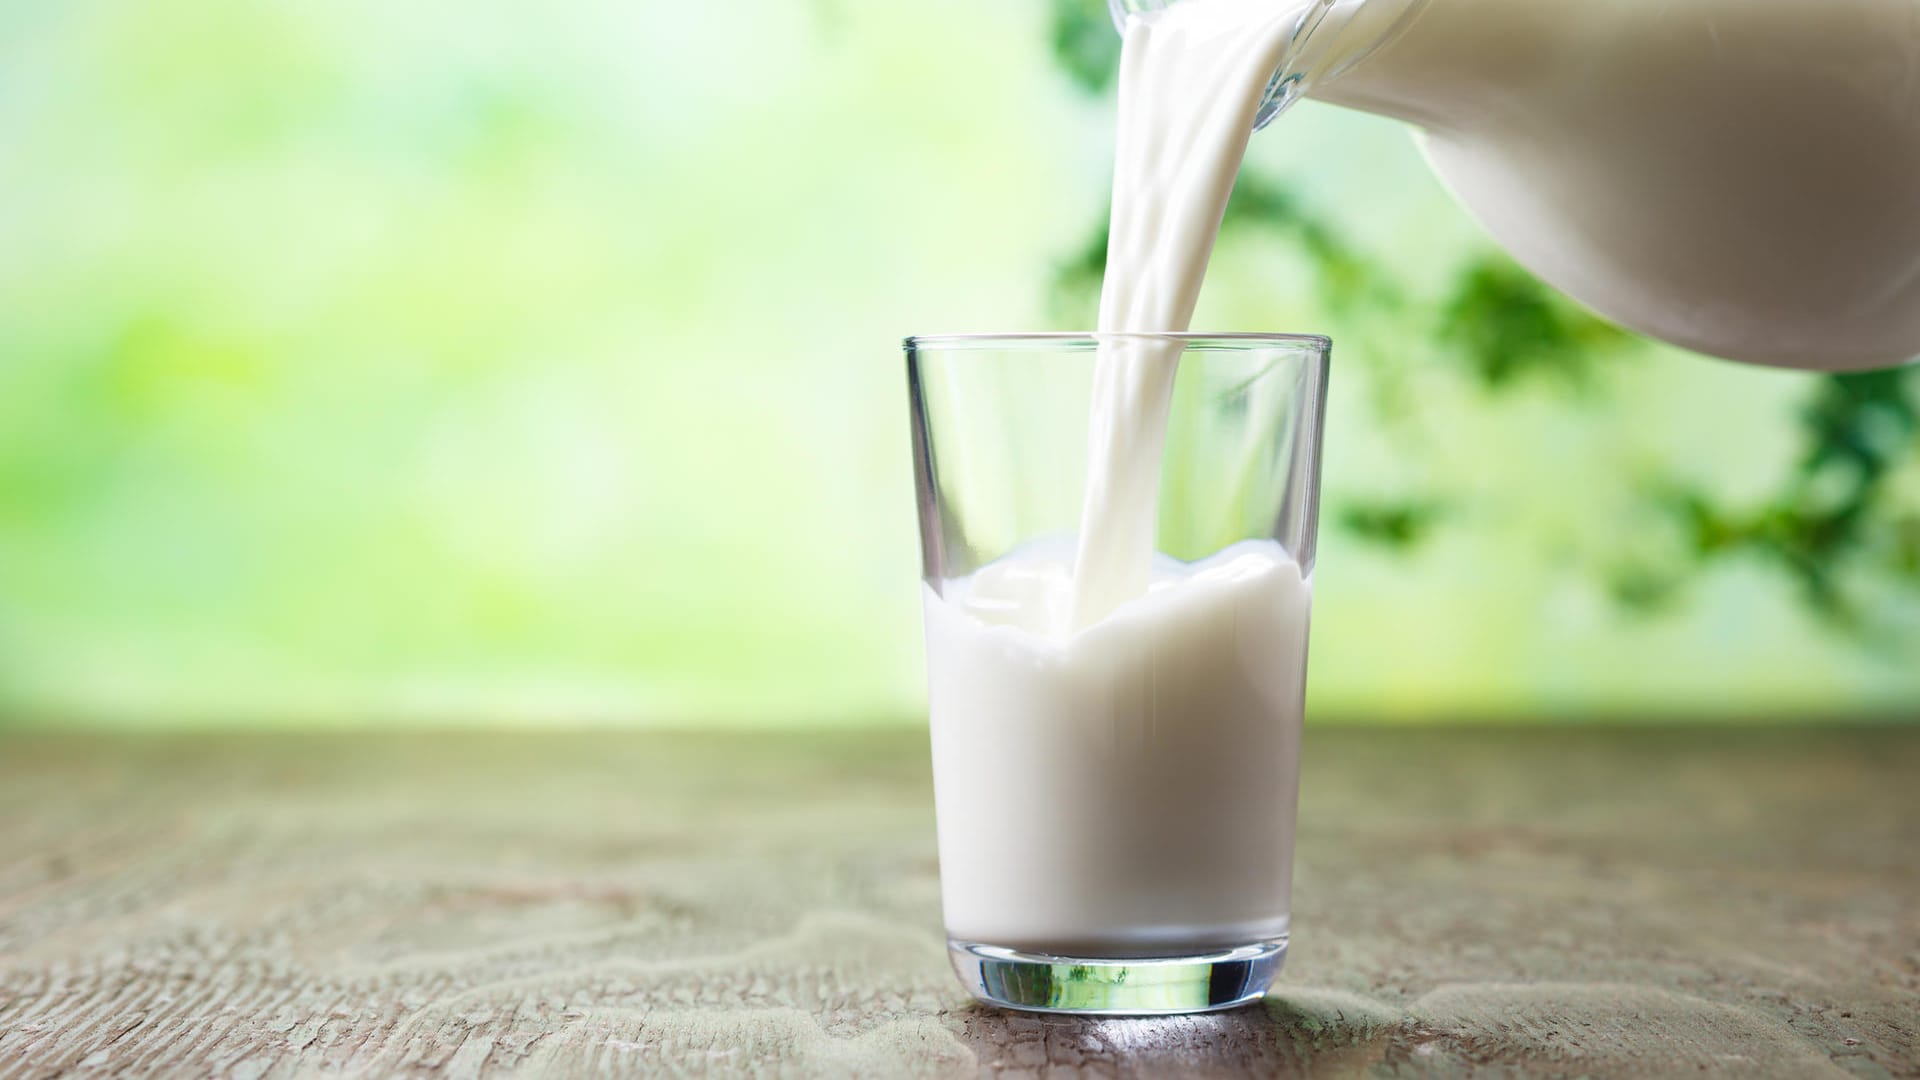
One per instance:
[(1116, 802)]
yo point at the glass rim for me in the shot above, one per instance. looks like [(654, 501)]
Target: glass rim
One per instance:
[(1190, 339)]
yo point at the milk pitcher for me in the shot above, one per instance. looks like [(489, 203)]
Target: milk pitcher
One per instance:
[(1737, 177)]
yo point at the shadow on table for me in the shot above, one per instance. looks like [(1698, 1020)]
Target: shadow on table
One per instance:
[(1322, 1033)]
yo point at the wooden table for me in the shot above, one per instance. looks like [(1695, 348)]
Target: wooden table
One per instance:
[(1618, 902)]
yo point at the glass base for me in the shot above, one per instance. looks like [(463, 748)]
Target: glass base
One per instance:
[(1147, 986)]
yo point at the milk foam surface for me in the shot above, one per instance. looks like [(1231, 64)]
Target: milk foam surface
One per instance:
[(1128, 788)]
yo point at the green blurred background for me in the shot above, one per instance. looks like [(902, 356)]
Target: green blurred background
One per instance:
[(371, 363)]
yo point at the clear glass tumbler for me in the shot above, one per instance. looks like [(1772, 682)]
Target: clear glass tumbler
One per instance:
[(1116, 800)]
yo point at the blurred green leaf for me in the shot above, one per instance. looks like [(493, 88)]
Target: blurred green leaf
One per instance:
[(1834, 518), (1400, 525), (1865, 421), (1507, 325), (1085, 44)]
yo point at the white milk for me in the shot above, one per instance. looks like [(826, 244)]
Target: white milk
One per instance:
[(1127, 789)]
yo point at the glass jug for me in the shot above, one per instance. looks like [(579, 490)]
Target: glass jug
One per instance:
[(1738, 177)]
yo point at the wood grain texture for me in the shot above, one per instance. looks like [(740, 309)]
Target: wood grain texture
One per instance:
[(1620, 903)]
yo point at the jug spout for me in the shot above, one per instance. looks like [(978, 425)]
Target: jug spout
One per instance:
[(1329, 38)]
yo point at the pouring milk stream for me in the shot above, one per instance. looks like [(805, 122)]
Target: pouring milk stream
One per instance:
[(1739, 177)]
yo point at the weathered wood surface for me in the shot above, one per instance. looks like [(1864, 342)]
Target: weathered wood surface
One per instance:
[(1737, 902)]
